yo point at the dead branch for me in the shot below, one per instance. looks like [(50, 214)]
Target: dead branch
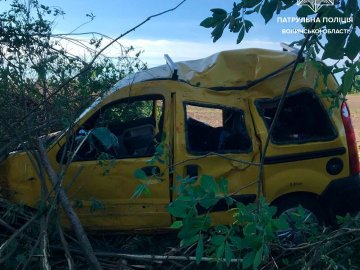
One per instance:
[(89, 65), (299, 57), (146, 257), (68, 209)]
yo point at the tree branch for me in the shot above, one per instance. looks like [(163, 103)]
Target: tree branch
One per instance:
[(89, 65), (68, 209)]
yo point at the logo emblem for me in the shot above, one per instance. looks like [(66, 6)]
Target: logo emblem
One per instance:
[(315, 5)]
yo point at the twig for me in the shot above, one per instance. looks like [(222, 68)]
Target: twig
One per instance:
[(277, 113), (68, 256), (89, 65), (160, 257), (68, 209)]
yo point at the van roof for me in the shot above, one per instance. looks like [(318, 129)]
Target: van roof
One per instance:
[(223, 70)]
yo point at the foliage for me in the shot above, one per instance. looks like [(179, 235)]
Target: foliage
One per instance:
[(43, 86), (248, 237), (39, 76), (161, 156), (257, 238), (340, 47)]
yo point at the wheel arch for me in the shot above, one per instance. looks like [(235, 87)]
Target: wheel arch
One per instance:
[(298, 194), (305, 196)]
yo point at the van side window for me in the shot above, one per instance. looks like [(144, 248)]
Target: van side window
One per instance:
[(126, 129), (303, 119), (215, 129)]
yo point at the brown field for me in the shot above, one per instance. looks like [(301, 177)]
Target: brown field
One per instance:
[(354, 104)]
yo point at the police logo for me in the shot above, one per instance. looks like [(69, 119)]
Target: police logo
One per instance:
[(315, 5)]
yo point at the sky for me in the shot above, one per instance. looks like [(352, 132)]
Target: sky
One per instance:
[(177, 33)]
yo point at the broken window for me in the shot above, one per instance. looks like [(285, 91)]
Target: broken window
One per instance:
[(302, 119), (215, 129), (125, 129)]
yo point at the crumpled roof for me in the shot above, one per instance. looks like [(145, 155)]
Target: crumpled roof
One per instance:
[(223, 69)]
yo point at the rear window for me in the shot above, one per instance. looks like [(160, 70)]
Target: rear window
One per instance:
[(215, 129), (303, 119)]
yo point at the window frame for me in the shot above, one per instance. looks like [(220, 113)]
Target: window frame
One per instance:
[(299, 91), (161, 124), (213, 106)]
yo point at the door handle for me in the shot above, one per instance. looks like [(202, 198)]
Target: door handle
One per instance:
[(151, 170)]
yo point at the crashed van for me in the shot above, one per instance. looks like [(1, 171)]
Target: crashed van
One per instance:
[(213, 115)]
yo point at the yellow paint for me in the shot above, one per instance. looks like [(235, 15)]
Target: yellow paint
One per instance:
[(234, 68)]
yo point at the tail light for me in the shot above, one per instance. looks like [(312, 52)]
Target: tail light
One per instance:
[(351, 139)]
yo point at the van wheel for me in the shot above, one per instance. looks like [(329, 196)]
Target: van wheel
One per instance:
[(303, 221)]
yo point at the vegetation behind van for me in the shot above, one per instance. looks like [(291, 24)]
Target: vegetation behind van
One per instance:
[(213, 116)]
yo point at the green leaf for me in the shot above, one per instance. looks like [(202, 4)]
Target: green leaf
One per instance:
[(352, 5), (229, 201), (219, 14), (178, 209), (177, 224), (247, 25), (208, 183), (228, 254), (258, 258), (208, 202), (238, 242), (304, 11), (105, 136), (353, 45), (334, 49), (250, 229), (280, 223), (218, 31), (268, 9), (241, 35), (236, 11), (186, 242), (250, 3), (209, 22), (347, 79), (199, 249), (140, 174), (224, 185), (217, 240), (248, 259), (220, 250)]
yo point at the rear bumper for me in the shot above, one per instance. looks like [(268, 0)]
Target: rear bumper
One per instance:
[(343, 195)]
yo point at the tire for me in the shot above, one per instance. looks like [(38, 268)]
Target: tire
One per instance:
[(300, 226), (308, 202)]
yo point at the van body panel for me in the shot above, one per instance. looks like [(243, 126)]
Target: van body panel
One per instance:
[(198, 115)]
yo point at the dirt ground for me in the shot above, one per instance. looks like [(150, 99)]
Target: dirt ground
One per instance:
[(354, 105)]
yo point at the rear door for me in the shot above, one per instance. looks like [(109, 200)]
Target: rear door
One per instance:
[(306, 150), (214, 136)]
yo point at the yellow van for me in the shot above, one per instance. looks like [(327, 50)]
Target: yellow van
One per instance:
[(213, 115)]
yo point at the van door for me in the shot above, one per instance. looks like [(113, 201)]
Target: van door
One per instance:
[(215, 136), (306, 151), (113, 164)]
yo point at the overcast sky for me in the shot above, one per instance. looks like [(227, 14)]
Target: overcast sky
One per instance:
[(177, 33)]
